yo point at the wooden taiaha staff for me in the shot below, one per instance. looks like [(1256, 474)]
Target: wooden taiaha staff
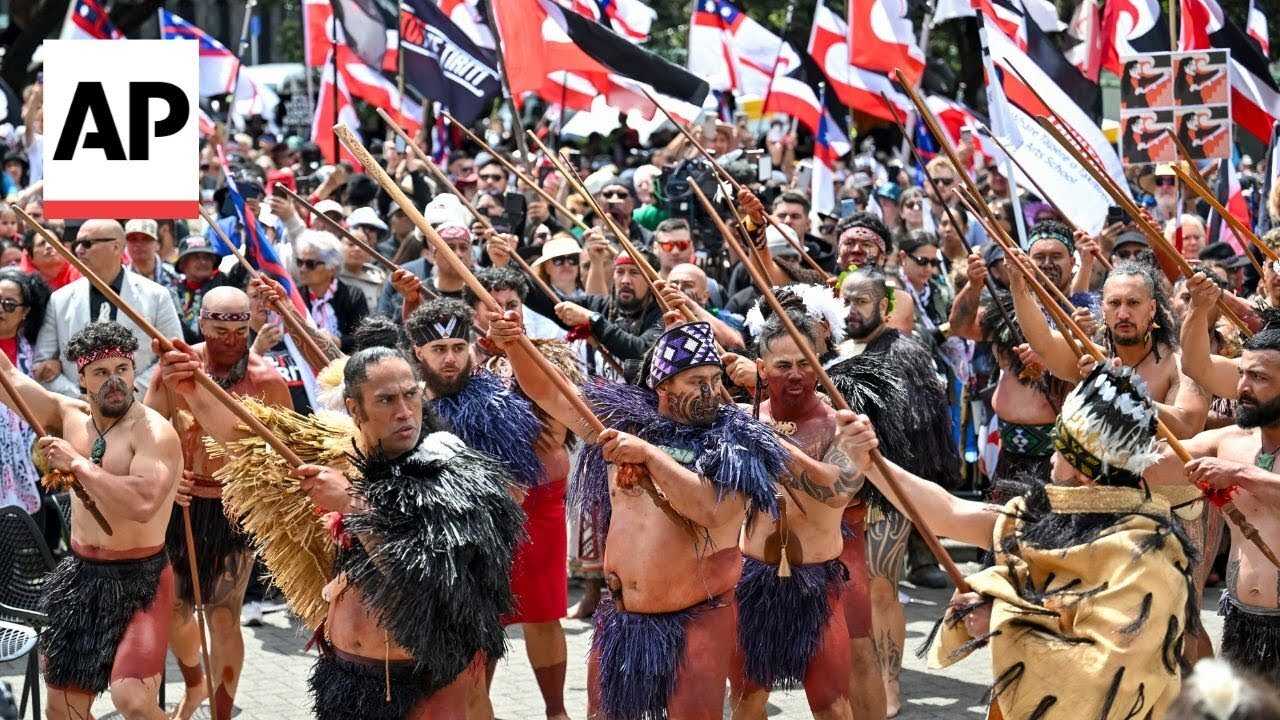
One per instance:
[(1156, 238), (520, 174), (197, 595), (1069, 327), (1240, 228), (723, 172), (445, 254), (25, 411), (1014, 329), (1201, 187), (283, 308), (838, 402), (166, 345), (483, 219), (372, 252)]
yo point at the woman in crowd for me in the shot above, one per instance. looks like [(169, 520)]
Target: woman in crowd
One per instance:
[(41, 258), (23, 299), (913, 209), (335, 306), (559, 265)]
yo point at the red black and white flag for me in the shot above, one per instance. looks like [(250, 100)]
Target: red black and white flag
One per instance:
[(855, 87), (882, 39), (569, 59), (800, 92), (1255, 97), (1132, 27), (1256, 25)]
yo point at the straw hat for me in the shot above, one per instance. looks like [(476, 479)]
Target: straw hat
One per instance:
[(557, 247)]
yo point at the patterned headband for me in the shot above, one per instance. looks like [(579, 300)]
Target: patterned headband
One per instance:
[(103, 353), (1045, 234), (452, 327), (864, 233), (680, 348), (224, 317)]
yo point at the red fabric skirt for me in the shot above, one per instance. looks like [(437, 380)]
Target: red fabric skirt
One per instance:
[(540, 573)]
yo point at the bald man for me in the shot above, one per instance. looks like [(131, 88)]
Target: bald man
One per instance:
[(693, 283), (223, 557), (99, 245)]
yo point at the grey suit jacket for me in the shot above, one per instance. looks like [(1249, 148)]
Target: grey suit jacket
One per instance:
[(69, 312)]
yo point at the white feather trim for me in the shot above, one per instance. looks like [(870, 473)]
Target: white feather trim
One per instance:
[(1219, 688), (819, 304)]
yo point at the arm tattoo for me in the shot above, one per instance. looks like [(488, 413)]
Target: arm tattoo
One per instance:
[(806, 485)]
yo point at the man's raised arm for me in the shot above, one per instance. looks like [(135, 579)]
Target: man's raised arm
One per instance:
[(48, 407), (505, 331)]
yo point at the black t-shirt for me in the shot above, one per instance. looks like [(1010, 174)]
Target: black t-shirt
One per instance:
[(291, 369)]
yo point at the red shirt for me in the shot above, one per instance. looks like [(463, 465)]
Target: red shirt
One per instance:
[(66, 276)]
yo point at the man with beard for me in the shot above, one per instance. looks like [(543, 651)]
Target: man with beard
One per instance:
[(424, 532), (671, 509), (802, 585), (925, 417), (626, 322), (1238, 463), (108, 602), (1137, 329), (865, 242), (489, 415), (1139, 332), (223, 556)]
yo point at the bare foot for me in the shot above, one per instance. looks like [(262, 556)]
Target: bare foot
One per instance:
[(892, 707), (191, 699)]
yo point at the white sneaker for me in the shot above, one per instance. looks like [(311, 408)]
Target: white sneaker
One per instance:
[(251, 614)]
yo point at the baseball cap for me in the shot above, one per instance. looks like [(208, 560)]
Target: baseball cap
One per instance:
[(326, 206), (992, 253), (1131, 236), (365, 216), (778, 243), (149, 228), (193, 245)]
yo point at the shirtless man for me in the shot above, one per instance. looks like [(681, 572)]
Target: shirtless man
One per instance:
[(664, 639), (223, 556), (789, 633), (865, 242), (401, 621), (109, 602), (1138, 330), (1241, 457), (490, 415)]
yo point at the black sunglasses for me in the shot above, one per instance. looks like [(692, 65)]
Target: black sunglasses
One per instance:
[(935, 262), (10, 305), (560, 261), (310, 264), (88, 242), (1166, 182), (615, 195), (1127, 254), (945, 180)]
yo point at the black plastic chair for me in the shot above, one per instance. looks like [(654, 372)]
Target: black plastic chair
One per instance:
[(25, 564), (62, 501)]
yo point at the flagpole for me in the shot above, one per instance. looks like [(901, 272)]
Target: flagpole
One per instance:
[(333, 63), (516, 125), (244, 44), (1174, 6), (306, 42), (988, 67), (777, 58)]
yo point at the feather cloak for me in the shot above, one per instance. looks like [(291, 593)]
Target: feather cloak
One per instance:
[(434, 551), (491, 416), (737, 453)]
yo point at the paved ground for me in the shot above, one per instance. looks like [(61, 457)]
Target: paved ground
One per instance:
[(274, 684)]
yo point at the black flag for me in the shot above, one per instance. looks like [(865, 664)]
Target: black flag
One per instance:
[(441, 63)]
